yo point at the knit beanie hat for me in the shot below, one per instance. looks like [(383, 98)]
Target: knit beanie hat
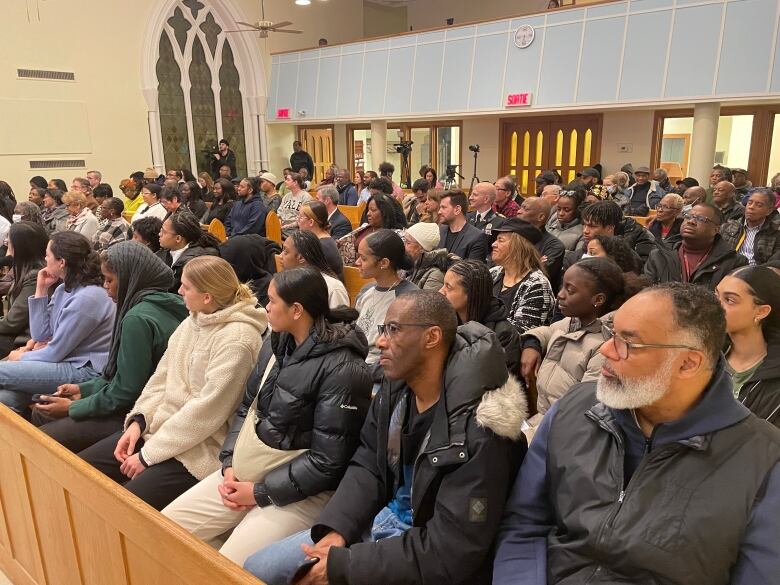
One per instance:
[(425, 234)]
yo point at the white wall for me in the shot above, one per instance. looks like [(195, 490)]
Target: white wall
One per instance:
[(634, 128)]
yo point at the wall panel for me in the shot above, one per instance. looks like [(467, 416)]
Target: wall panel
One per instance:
[(693, 35)]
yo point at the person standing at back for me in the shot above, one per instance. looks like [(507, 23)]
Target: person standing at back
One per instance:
[(300, 159)]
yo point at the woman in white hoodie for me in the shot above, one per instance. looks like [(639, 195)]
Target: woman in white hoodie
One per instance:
[(174, 432)]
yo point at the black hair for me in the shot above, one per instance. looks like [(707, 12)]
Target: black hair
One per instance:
[(187, 175), (309, 247), (619, 252), (7, 191), (154, 189), (421, 185), (393, 217), (187, 226), (698, 311), (305, 285), (39, 182), (82, 263), (60, 185), (435, 178), (381, 184), (768, 193), (612, 281), (725, 171), (29, 241), (170, 193), (149, 229), (55, 194), (603, 213), (458, 198), (228, 191), (225, 142), (428, 306), (138, 182), (386, 169), (103, 190), (38, 191), (385, 243), (715, 211), (763, 284), (297, 178), (196, 194), (476, 281), (115, 204), (577, 198)]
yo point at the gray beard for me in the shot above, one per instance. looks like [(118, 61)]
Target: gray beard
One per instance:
[(624, 394)]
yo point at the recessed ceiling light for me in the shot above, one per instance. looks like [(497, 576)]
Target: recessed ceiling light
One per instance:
[(303, 2)]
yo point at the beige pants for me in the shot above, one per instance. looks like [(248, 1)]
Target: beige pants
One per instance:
[(200, 511)]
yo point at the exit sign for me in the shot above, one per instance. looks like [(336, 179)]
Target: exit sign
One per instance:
[(283, 113), (514, 100)]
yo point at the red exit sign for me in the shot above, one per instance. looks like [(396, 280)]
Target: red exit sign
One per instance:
[(283, 113), (514, 100)]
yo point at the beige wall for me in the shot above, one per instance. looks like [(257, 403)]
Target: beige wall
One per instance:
[(482, 131), (380, 20), (634, 128), (280, 139), (339, 21)]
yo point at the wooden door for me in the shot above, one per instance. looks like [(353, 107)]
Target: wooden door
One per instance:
[(530, 146), (318, 142)]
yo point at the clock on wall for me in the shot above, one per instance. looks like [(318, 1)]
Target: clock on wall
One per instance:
[(524, 36)]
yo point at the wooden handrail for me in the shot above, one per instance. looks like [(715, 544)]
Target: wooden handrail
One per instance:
[(62, 522)]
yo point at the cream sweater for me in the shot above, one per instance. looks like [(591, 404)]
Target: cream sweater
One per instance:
[(197, 386)]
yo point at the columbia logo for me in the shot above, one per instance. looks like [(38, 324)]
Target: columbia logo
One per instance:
[(348, 407)]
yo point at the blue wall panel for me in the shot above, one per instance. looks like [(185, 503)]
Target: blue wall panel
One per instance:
[(561, 47), (644, 55), (327, 87), (427, 77), (488, 71), (288, 81), (349, 84), (307, 85), (457, 68), (373, 86), (399, 78), (694, 51), (745, 61), (776, 68), (600, 63), (522, 66), (273, 89)]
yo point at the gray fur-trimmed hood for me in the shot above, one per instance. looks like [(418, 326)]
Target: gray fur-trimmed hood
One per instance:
[(504, 409)]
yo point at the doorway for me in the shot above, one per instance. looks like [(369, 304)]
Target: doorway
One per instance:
[(530, 146), (318, 142)]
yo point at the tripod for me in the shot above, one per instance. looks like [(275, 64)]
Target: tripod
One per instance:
[(450, 182), (474, 177)]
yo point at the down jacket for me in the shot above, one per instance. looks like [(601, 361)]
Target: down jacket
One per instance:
[(178, 266), (571, 355), (761, 394), (462, 476), (767, 243), (428, 271), (496, 320), (317, 400)]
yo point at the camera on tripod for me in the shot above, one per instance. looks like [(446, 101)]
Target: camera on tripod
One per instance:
[(404, 148), (474, 148), (451, 172)]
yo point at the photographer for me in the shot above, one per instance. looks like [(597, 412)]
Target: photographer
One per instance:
[(223, 156)]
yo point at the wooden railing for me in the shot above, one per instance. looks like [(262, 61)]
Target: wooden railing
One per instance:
[(64, 523)]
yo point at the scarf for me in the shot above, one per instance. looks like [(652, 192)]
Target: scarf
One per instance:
[(75, 221), (140, 272)]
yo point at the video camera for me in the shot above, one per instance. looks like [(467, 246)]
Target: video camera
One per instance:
[(474, 148), (404, 147)]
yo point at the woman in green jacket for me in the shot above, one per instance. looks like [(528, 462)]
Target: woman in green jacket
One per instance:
[(27, 245), (79, 415)]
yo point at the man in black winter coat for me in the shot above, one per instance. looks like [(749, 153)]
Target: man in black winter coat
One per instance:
[(423, 496), (702, 257)]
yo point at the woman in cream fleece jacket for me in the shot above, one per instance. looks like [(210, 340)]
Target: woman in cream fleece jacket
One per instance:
[(174, 432)]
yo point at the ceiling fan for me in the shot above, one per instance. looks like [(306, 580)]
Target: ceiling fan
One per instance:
[(265, 26)]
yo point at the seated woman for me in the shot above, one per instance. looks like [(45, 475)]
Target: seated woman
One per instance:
[(146, 231), (296, 430), (181, 240), (518, 277), (171, 200), (27, 211), (431, 208), (566, 353), (192, 199), (749, 296), (616, 249), (469, 289), (54, 214), (665, 226), (253, 257), (71, 334), (152, 207), (81, 219), (173, 433), (305, 249), (224, 197), (27, 246), (380, 256), (430, 261), (313, 217), (567, 226), (381, 212), (207, 187), (79, 415)]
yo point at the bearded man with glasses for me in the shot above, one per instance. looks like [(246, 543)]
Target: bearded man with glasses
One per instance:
[(702, 257), (653, 473)]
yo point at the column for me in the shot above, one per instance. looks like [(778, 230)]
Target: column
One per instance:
[(378, 143), (703, 138)]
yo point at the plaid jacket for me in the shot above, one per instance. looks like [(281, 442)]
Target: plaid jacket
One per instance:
[(109, 233)]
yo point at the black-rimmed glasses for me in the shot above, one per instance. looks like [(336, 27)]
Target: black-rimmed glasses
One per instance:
[(623, 346)]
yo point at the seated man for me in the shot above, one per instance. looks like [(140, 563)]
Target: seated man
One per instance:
[(724, 197), (339, 224), (504, 203), (458, 236), (114, 228), (536, 211), (439, 451), (643, 195), (482, 197), (701, 257), (654, 473), (757, 236)]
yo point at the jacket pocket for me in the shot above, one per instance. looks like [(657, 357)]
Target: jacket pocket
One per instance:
[(666, 522)]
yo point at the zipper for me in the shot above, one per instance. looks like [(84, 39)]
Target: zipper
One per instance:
[(620, 492)]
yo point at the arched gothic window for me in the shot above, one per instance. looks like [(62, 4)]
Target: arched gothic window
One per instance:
[(198, 89)]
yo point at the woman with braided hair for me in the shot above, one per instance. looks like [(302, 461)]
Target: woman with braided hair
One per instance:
[(79, 415), (181, 240)]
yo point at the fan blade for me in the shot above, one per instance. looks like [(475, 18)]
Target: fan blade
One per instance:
[(280, 24), (287, 30), (250, 25), (252, 30)]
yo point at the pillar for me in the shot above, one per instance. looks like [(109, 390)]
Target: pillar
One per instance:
[(378, 143), (703, 138)]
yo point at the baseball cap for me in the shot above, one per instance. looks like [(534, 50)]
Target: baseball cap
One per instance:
[(520, 227), (546, 177), (589, 172), (740, 171), (645, 170), (688, 182)]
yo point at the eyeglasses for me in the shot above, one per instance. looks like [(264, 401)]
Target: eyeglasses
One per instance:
[(390, 329), (662, 207), (698, 219), (623, 347)]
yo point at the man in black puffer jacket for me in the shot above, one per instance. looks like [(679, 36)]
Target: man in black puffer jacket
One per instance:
[(439, 449)]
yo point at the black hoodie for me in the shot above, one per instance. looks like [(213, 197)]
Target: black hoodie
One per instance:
[(252, 257), (761, 393), (496, 320)]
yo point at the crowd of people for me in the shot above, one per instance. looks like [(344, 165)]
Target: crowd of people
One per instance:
[(582, 385)]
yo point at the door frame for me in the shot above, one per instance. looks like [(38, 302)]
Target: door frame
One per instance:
[(299, 130)]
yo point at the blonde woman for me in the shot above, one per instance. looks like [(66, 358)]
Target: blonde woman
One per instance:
[(173, 434), (81, 219), (518, 277)]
